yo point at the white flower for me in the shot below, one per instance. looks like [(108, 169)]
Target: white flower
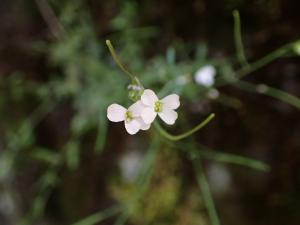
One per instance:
[(205, 76), (130, 116), (164, 107), (131, 163)]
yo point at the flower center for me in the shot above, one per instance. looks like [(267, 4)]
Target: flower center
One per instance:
[(128, 116), (158, 106)]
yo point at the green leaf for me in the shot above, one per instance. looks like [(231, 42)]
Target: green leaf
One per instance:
[(46, 155), (72, 155)]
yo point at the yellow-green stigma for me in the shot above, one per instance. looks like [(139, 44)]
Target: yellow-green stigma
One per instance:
[(128, 116), (158, 106)]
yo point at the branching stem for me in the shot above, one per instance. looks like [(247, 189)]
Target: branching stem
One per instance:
[(178, 137)]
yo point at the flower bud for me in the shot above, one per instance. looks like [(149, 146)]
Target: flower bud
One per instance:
[(134, 92)]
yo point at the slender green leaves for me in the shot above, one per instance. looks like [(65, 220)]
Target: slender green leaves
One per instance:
[(238, 39), (270, 91), (203, 184), (99, 216)]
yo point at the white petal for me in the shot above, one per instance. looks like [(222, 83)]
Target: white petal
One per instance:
[(169, 116), (171, 101), (206, 76), (143, 125), (132, 127), (149, 97), (116, 113), (148, 115), (136, 109)]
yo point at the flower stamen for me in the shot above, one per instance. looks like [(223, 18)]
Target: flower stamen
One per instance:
[(128, 116), (158, 106)]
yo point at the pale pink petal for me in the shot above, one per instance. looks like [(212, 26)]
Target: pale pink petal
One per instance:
[(132, 127), (149, 97), (143, 125), (136, 108), (116, 113), (148, 115), (169, 116), (171, 101)]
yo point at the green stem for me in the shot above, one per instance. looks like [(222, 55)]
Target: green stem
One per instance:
[(229, 101), (250, 68), (270, 91), (280, 52), (99, 216), (172, 137), (208, 200), (229, 158), (238, 39), (118, 61)]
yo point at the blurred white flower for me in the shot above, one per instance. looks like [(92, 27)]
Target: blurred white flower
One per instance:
[(220, 178), (164, 107), (205, 76), (130, 116), (130, 165)]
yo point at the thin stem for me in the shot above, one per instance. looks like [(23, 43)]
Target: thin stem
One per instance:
[(40, 112), (118, 61), (238, 39), (50, 18), (229, 101), (99, 216), (270, 91), (278, 53), (208, 200), (229, 158), (251, 67), (172, 137)]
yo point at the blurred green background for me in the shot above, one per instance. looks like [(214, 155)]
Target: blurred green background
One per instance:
[(61, 160)]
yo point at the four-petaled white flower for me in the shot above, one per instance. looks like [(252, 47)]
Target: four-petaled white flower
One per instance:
[(131, 116), (142, 113), (164, 107)]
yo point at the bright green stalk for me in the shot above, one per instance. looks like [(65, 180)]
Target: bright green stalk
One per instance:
[(238, 39), (172, 137), (134, 79), (117, 60)]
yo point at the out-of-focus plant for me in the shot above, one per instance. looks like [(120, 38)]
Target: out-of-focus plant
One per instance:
[(206, 78)]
